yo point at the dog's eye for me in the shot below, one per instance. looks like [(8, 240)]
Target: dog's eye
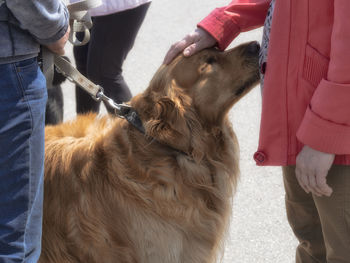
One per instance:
[(210, 60)]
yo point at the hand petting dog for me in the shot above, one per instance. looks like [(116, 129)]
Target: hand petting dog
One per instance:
[(192, 43)]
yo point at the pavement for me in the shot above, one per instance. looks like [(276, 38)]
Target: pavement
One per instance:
[(259, 231)]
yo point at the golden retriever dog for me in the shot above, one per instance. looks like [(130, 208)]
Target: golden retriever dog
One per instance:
[(115, 194)]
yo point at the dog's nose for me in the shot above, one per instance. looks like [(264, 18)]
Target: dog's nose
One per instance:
[(252, 48)]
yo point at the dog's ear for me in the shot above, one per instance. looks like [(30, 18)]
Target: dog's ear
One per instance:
[(176, 125), (167, 124), (166, 110), (169, 116)]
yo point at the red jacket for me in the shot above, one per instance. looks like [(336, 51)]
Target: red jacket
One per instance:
[(306, 97)]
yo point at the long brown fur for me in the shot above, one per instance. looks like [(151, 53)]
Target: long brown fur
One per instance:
[(113, 194)]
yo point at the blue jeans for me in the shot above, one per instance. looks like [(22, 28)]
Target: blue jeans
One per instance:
[(23, 98)]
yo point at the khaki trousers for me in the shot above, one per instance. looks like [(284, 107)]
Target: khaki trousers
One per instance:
[(321, 224)]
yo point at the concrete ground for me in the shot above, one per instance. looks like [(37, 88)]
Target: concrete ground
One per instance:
[(259, 231)]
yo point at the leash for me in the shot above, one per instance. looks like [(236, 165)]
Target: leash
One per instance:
[(123, 111), (80, 21)]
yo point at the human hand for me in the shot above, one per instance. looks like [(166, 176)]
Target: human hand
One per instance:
[(58, 46), (192, 43), (311, 171)]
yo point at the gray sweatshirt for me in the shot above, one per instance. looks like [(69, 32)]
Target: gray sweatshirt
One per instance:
[(25, 24)]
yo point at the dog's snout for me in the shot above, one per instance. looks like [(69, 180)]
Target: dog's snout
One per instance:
[(253, 48)]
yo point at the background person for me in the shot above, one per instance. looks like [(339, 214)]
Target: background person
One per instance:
[(23, 25), (305, 122), (115, 27)]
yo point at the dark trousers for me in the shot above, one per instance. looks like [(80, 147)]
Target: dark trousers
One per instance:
[(101, 60), (321, 224)]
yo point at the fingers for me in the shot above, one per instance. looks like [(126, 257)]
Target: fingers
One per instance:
[(321, 184), (190, 44), (177, 48), (194, 48), (57, 50), (313, 185), (312, 167), (58, 46), (314, 182), (303, 180)]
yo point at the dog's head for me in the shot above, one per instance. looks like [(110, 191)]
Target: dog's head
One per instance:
[(196, 93)]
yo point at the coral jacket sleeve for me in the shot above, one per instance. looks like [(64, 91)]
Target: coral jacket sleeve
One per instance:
[(225, 23)]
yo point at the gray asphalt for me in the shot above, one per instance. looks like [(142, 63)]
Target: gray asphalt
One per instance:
[(259, 231)]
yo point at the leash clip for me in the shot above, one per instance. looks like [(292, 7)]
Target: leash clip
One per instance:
[(119, 109)]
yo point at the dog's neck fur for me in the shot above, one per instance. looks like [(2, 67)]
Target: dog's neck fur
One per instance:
[(176, 124)]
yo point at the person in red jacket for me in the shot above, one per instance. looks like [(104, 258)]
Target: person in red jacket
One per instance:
[(305, 121)]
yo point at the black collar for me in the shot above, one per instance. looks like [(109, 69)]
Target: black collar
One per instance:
[(133, 118)]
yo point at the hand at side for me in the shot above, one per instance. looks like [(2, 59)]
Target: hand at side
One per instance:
[(312, 167)]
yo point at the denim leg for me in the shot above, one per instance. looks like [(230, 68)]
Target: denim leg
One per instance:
[(23, 98)]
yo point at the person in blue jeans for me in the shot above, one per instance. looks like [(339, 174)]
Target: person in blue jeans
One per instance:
[(24, 25)]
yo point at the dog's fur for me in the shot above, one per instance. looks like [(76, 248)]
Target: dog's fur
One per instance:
[(113, 194)]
